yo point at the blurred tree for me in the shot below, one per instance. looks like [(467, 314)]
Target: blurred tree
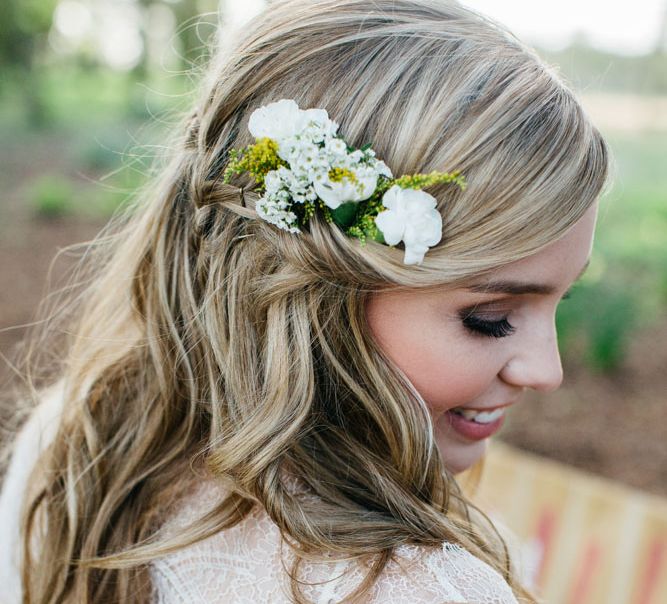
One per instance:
[(23, 28), (195, 19)]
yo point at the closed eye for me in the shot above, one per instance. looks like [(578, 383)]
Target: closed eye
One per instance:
[(496, 329)]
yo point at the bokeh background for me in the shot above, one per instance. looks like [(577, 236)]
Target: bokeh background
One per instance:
[(90, 89)]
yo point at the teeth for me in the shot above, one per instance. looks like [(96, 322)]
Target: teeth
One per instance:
[(481, 417)]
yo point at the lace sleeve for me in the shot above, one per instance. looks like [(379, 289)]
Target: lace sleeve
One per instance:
[(246, 564)]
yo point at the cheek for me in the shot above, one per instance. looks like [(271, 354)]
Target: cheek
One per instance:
[(448, 378), (444, 364)]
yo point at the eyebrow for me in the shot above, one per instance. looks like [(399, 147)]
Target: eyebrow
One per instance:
[(517, 288)]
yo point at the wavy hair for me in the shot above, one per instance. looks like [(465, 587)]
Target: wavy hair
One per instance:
[(211, 341)]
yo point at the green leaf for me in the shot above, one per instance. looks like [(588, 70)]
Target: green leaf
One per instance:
[(376, 235), (345, 214)]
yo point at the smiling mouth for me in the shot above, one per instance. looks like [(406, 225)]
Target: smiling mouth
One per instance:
[(482, 417), (476, 426), (482, 409)]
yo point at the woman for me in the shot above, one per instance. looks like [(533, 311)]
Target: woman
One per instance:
[(256, 406)]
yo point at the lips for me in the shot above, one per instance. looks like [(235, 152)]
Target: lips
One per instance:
[(472, 430), (485, 408)]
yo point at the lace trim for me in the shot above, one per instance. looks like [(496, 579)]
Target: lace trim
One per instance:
[(246, 565)]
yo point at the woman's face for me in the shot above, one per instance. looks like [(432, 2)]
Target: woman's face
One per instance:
[(481, 347)]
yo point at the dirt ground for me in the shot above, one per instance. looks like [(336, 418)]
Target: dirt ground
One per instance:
[(612, 425)]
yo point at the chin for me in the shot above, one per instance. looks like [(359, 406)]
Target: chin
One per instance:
[(460, 456)]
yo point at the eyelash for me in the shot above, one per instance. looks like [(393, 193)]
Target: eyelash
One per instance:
[(495, 329)]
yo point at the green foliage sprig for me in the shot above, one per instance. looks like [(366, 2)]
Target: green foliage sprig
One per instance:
[(362, 224)]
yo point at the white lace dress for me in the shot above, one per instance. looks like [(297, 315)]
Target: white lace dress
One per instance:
[(243, 564)]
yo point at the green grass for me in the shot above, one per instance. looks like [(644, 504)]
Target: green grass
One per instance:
[(626, 285), (51, 196), (95, 146)]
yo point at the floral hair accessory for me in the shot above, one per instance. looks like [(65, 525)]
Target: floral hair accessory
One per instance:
[(300, 164)]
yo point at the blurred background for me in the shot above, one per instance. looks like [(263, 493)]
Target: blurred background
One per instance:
[(89, 90)]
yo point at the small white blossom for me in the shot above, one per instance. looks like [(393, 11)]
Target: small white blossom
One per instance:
[(317, 125), (305, 158), (410, 217), (275, 211), (333, 193), (298, 189), (335, 147), (381, 168), (274, 205), (272, 181), (283, 119)]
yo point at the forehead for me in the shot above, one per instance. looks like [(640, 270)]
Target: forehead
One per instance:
[(559, 262), (555, 267)]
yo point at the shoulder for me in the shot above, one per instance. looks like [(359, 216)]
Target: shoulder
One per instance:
[(446, 576), (34, 436), (247, 563), (419, 575), (240, 564), (448, 573)]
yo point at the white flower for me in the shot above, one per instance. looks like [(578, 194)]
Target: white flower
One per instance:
[(333, 193), (366, 174), (335, 147), (275, 209), (317, 127), (275, 205), (285, 184), (272, 181), (276, 120), (283, 119), (305, 158), (381, 168), (411, 217)]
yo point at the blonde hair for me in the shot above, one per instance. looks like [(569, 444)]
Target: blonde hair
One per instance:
[(211, 339)]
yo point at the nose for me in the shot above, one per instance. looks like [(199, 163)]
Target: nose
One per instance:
[(536, 364)]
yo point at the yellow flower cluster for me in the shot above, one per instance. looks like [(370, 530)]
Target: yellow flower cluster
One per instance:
[(421, 181), (257, 159), (337, 175), (364, 226)]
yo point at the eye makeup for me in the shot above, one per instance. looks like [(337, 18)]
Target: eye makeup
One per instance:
[(487, 319), (491, 319), (498, 328)]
